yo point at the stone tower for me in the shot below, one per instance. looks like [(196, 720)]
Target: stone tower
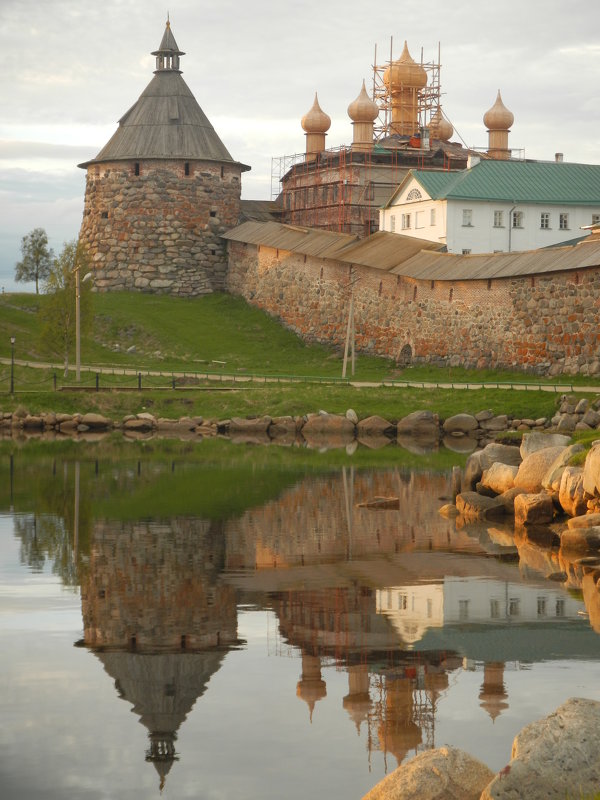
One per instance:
[(161, 192)]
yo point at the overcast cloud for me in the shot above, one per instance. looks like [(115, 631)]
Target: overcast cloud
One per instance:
[(69, 70)]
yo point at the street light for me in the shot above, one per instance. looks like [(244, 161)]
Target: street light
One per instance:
[(12, 364), (78, 283)]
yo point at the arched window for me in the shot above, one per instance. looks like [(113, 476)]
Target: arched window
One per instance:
[(414, 194)]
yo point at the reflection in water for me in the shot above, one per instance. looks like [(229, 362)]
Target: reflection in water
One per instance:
[(386, 590)]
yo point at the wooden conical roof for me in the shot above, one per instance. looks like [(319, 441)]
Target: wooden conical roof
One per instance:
[(166, 122)]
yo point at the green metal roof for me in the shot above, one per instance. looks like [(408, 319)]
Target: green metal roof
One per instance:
[(548, 182)]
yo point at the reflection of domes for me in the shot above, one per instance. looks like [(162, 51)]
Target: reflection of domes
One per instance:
[(316, 120), (358, 701), (439, 127), (493, 693), (405, 72), (498, 117), (311, 687), (363, 109)]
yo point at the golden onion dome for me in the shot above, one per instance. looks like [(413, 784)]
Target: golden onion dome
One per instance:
[(498, 117), (316, 120), (440, 128), (363, 109), (405, 71)]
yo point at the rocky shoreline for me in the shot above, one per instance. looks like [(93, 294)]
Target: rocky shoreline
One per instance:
[(420, 431)]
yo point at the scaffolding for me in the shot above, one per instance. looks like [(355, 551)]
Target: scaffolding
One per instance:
[(429, 97)]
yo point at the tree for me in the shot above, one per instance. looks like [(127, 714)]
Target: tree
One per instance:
[(37, 258), (58, 312)]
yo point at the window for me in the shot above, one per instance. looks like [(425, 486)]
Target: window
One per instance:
[(402, 602), (563, 221), (392, 223), (514, 607), (467, 217), (432, 216), (545, 221), (498, 219), (517, 219), (595, 219), (419, 219), (560, 607), (463, 609), (466, 251), (136, 168), (414, 194), (494, 609), (187, 167), (541, 606), (405, 221), (429, 608)]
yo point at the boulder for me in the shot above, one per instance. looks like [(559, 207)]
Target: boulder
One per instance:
[(534, 468), (33, 422), (137, 425), (460, 424), (328, 424), (375, 426), (483, 459), (443, 774), (449, 510), (591, 470), (499, 423), (554, 758), (241, 425), (499, 477), (282, 427), (533, 509), (567, 423), (540, 441), (570, 492), (508, 499), (585, 521), (591, 598), (552, 479), (475, 506), (96, 422), (421, 424), (352, 416), (580, 540), (591, 418)]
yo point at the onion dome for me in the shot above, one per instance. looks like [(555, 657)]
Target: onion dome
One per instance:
[(363, 109), (405, 71), (439, 127), (316, 120), (498, 117)]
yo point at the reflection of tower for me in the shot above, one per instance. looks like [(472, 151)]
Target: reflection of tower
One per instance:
[(162, 688), (311, 687), (398, 733), (493, 692), (358, 700)]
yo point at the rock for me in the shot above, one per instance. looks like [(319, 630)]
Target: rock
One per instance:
[(483, 459), (586, 521), (352, 416), (328, 424), (534, 467), (508, 499), (552, 479), (481, 416), (31, 422), (580, 540), (449, 510), (249, 426), (96, 422), (147, 416), (381, 502), (375, 426), (570, 492), (591, 598), (582, 406), (475, 506), (138, 425), (591, 470), (567, 423), (460, 423), (283, 427), (554, 758), (421, 424), (499, 477), (499, 423), (443, 774), (591, 418), (533, 509), (540, 441)]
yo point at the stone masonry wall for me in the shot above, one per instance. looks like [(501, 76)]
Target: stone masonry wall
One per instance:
[(159, 231), (542, 324)]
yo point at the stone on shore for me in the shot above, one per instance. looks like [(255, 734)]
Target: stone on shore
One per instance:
[(330, 424), (443, 774), (552, 478), (570, 493), (476, 506), (533, 509), (553, 758), (532, 442), (534, 468), (375, 426), (499, 477), (422, 424), (241, 425), (580, 540), (96, 422), (591, 470), (585, 521), (461, 424), (483, 459)]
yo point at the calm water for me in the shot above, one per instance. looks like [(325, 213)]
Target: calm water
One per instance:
[(224, 628)]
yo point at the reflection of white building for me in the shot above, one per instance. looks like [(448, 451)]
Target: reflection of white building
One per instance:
[(413, 610)]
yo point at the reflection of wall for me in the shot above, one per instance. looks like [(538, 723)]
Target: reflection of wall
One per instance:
[(155, 586)]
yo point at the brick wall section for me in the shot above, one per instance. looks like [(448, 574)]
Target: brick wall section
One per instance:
[(543, 324), (160, 231)]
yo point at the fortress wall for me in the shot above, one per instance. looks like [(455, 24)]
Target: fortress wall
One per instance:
[(545, 324), (159, 231)]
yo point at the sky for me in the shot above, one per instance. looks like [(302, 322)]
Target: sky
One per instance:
[(69, 70)]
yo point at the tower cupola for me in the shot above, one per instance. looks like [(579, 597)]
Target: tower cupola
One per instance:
[(363, 112), (498, 120), (167, 55), (316, 123)]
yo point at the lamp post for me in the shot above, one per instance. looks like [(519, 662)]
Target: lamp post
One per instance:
[(12, 364)]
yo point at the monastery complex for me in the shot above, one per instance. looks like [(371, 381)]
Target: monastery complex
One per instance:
[(436, 253)]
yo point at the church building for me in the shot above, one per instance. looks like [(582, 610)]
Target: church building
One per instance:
[(161, 192)]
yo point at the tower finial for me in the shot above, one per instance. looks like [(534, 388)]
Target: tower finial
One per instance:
[(168, 20)]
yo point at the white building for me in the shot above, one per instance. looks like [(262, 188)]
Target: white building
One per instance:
[(496, 205)]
